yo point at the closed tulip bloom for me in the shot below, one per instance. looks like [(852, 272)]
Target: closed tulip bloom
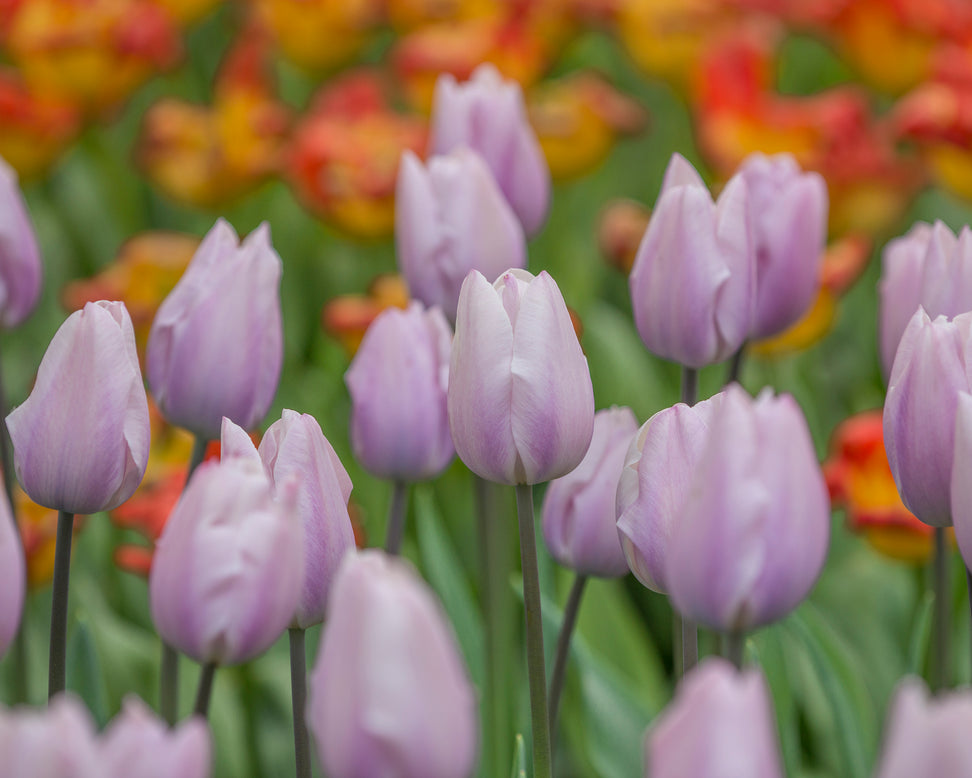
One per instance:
[(654, 482), (295, 449), (398, 382), (927, 735), (719, 725), (693, 284), (756, 523), (919, 412), (789, 209), (81, 439), (487, 114), (578, 508), (12, 575), (521, 403), (229, 567), (389, 695), (58, 741), (216, 344), (20, 261), (961, 485), (450, 218)]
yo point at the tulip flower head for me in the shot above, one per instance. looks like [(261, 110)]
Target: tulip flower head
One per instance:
[(20, 261), (12, 575), (521, 403), (58, 741), (81, 439)]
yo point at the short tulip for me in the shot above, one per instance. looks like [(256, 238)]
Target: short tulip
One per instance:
[(58, 741), (20, 261), (13, 575)]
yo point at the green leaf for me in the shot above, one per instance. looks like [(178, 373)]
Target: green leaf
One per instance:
[(84, 676), (519, 758), (921, 634)]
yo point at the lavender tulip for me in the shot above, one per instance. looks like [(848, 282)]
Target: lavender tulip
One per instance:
[(58, 741), (389, 695), (20, 262), (81, 439), (654, 484), (693, 284), (756, 523), (487, 114), (961, 491), (229, 567), (12, 575), (578, 508), (450, 218), (929, 371), (927, 735), (295, 448), (398, 382), (720, 725), (789, 209), (521, 403), (216, 345)]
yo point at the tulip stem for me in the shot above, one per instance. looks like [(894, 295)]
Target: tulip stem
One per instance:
[(735, 365), (62, 572), (689, 630), (397, 510), (298, 694), (735, 647), (968, 581), (169, 684), (939, 670), (205, 690), (571, 609), (690, 645), (534, 633), (690, 385), (199, 445)]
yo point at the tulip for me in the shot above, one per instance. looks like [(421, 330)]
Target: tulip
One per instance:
[(789, 209), (53, 742), (398, 382), (229, 567), (961, 491), (719, 725), (693, 284), (450, 218), (487, 114), (295, 448), (216, 346), (81, 439), (755, 526), (12, 575), (654, 483), (20, 261), (927, 735), (389, 694), (578, 508), (521, 403)]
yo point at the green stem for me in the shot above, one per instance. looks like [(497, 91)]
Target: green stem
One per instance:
[(298, 694), (689, 630), (534, 633), (735, 647), (690, 385), (939, 670), (397, 510), (169, 684), (677, 644), (199, 446), (571, 609), (735, 365), (59, 604), (205, 691)]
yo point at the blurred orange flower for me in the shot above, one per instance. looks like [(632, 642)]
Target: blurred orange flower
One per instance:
[(38, 531), (34, 129), (346, 318)]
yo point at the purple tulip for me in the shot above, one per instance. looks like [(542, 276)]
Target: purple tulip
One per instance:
[(487, 114), (521, 403), (398, 382), (58, 741), (930, 369), (789, 209), (754, 531), (20, 261), (294, 448), (719, 725), (229, 567), (81, 439), (216, 345), (137, 744), (693, 284), (12, 575), (389, 694), (654, 484), (578, 508), (927, 735), (450, 218), (961, 491)]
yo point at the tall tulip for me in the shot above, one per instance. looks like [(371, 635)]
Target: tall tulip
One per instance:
[(20, 261)]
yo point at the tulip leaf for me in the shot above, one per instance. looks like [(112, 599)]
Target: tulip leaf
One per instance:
[(770, 655), (519, 759), (921, 634), (84, 675)]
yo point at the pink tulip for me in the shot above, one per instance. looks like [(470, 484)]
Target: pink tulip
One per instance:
[(20, 261)]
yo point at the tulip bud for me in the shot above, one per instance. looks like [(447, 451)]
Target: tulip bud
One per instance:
[(389, 694), (654, 484), (719, 725), (216, 345), (81, 439), (521, 403), (487, 114), (53, 742), (961, 491), (693, 284), (398, 382), (229, 567), (756, 523), (578, 508), (927, 735), (789, 209), (919, 412), (20, 261), (295, 448), (137, 744), (12, 575)]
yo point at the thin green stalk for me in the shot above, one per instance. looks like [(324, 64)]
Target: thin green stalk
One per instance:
[(205, 691), (940, 630), (59, 604), (968, 581), (198, 455), (397, 510), (690, 385), (298, 694), (536, 669), (571, 609), (735, 365), (735, 646), (689, 630)]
